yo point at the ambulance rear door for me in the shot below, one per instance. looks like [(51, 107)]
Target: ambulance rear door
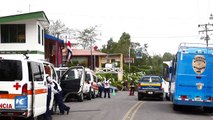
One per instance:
[(10, 86), (39, 86)]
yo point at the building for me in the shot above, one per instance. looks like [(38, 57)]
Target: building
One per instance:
[(101, 62), (53, 50), (23, 33)]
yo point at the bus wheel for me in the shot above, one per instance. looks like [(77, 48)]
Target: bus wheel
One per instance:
[(208, 109), (176, 107)]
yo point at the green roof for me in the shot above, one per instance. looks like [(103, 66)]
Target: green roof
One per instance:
[(40, 16)]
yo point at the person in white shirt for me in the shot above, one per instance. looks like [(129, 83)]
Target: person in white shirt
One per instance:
[(100, 88), (106, 83)]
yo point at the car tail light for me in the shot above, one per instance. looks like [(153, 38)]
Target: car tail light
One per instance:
[(161, 86), (24, 89)]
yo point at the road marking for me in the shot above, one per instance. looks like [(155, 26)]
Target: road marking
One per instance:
[(132, 111), (211, 115)]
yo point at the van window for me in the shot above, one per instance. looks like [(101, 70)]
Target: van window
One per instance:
[(72, 74), (88, 77), (36, 71), (10, 70)]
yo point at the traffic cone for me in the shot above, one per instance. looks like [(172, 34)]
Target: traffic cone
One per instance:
[(113, 92)]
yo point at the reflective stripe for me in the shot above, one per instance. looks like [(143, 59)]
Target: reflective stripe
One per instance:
[(158, 84), (29, 92)]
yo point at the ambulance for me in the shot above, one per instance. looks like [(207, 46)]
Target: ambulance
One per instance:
[(23, 87)]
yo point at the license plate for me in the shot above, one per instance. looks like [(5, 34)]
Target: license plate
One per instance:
[(150, 92), (197, 99)]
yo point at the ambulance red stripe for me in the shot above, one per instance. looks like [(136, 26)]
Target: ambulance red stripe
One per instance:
[(29, 92)]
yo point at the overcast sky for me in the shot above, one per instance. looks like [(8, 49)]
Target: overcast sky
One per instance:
[(163, 24)]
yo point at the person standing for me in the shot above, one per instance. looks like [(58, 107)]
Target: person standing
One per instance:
[(106, 87), (49, 97), (58, 96), (125, 85), (132, 88), (100, 88)]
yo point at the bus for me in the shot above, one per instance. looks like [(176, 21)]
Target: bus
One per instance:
[(191, 72)]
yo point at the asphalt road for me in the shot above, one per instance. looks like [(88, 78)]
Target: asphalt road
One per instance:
[(125, 107)]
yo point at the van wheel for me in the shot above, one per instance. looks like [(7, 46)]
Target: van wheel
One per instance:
[(81, 97), (93, 94), (33, 118)]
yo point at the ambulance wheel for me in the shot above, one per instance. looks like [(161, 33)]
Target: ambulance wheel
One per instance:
[(81, 97)]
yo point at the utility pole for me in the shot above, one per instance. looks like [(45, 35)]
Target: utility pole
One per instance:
[(206, 30), (91, 61)]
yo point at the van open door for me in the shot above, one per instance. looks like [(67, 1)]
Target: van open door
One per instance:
[(39, 88)]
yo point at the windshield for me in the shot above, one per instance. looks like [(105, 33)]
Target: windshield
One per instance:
[(72, 74), (155, 79), (150, 79), (10, 70)]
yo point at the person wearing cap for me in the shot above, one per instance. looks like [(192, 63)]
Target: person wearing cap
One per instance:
[(58, 95)]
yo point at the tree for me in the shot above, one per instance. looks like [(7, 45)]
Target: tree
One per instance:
[(58, 29), (124, 44), (110, 47), (87, 36), (167, 56)]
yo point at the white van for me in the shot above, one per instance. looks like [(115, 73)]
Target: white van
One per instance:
[(23, 87), (92, 79)]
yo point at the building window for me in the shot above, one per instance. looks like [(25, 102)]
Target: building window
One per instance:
[(39, 35), (13, 33)]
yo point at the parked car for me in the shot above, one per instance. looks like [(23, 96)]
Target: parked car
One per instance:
[(74, 84), (150, 86), (92, 79)]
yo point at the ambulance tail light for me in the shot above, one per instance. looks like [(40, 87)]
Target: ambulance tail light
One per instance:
[(24, 89)]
